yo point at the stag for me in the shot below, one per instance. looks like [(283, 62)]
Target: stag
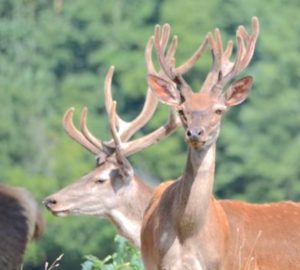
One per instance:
[(184, 226), (20, 222)]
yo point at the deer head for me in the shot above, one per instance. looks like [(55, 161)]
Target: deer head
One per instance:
[(201, 112)]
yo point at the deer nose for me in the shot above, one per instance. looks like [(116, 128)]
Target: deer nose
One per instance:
[(194, 133), (49, 202)]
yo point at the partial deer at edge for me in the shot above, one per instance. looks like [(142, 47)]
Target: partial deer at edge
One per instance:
[(20, 221), (184, 226)]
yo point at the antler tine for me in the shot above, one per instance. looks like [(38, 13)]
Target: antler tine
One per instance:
[(228, 50), (129, 148), (160, 55), (107, 91), (121, 124), (114, 132), (85, 131), (171, 51), (164, 42), (74, 133), (246, 45), (217, 56), (218, 52), (243, 33), (109, 102), (148, 56), (165, 36), (126, 129)]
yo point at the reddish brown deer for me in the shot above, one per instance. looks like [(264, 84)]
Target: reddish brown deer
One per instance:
[(20, 221), (184, 226), (112, 190)]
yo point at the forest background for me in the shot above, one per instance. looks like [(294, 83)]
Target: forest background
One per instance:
[(54, 55)]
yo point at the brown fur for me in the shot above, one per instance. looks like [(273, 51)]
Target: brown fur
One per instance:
[(20, 221), (258, 236), (263, 236)]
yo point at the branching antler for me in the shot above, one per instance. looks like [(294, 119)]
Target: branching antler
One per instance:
[(134, 146), (223, 70), (173, 73), (96, 147), (246, 46), (122, 131)]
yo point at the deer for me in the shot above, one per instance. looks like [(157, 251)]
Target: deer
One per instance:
[(112, 190), (20, 221), (185, 226)]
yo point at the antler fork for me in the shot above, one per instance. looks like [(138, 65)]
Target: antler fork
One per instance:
[(224, 70)]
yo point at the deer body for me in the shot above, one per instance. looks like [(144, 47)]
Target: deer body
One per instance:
[(247, 236), (263, 236)]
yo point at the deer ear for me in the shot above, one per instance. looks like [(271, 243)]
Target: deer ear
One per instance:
[(238, 91), (125, 169), (164, 90)]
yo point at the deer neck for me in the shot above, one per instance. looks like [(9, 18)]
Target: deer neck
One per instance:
[(195, 190), (127, 216)]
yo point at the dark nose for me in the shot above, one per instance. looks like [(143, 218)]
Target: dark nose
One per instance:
[(194, 133), (49, 202)]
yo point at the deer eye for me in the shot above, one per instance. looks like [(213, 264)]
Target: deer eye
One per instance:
[(218, 111), (100, 181)]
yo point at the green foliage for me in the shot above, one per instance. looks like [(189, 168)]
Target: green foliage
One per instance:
[(126, 257), (54, 55)]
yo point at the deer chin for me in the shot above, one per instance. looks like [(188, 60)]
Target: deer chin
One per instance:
[(61, 213), (64, 212), (196, 144), (76, 212)]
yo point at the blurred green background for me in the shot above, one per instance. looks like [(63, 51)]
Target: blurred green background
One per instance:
[(54, 54)]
